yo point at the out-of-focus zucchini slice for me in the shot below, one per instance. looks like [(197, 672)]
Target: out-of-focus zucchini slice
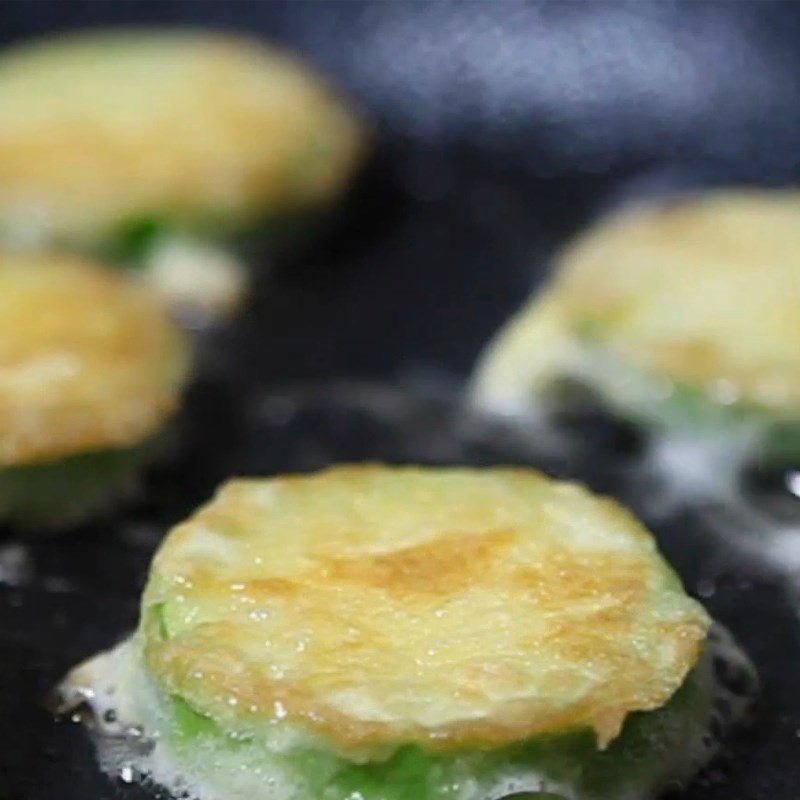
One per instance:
[(119, 141), (90, 373), (683, 316)]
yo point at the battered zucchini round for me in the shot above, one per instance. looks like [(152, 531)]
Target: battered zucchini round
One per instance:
[(682, 315), (397, 633), (90, 372), (119, 141)]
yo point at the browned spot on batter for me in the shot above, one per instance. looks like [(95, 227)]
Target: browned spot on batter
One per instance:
[(561, 575), (271, 587), (440, 566)]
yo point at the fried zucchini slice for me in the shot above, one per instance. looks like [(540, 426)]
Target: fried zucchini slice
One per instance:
[(394, 633), (90, 373), (132, 143), (681, 316)]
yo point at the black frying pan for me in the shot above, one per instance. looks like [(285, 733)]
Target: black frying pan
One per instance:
[(502, 127)]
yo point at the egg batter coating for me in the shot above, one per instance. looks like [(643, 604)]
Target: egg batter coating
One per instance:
[(119, 142), (90, 371), (680, 315), (398, 631)]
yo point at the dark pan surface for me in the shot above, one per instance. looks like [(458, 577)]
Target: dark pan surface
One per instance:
[(449, 228)]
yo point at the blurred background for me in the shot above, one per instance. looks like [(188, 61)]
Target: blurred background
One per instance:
[(501, 127), (551, 86)]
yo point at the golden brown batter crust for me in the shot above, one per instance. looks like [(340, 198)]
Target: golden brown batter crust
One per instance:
[(87, 361), (450, 607)]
